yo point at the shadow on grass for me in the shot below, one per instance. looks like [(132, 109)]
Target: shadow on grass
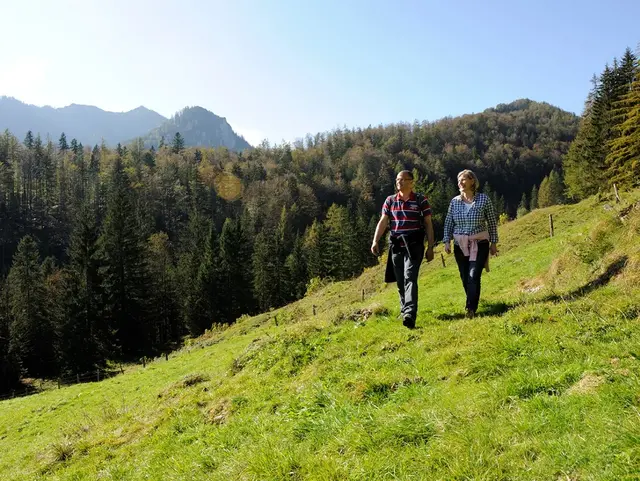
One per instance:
[(612, 270), (499, 308), (486, 309)]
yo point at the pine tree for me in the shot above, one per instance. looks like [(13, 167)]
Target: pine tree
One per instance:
[(178, 143), (123, 268), (32, 339)]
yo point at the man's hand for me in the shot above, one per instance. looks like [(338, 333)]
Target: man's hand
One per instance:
[(493, 249), (374, 248), (447, 247), (429, 253)]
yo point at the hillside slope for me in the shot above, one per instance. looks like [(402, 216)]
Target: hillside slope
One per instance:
[(543, 384)]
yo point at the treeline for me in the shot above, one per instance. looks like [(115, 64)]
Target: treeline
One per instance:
[(110, 254), (606, 150)]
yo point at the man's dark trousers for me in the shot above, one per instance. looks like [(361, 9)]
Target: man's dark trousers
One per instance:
[(406, 269)]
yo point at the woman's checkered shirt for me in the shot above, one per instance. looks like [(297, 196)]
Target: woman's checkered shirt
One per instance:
[(481, 216)]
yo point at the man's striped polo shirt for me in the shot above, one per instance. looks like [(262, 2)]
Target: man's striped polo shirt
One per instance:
[(405, 215)]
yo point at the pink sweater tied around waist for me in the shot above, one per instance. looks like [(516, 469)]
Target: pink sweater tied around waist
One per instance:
[(469, 245)]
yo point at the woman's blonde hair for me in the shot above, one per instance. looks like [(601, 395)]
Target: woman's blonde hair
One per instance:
[(469, 174)]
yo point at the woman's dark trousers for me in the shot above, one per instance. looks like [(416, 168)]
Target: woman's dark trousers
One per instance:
[(471, 272)]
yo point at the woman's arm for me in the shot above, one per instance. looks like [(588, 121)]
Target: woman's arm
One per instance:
[(492, 223), (448, 229)]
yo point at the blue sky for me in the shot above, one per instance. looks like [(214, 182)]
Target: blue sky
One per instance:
[(280, 69)]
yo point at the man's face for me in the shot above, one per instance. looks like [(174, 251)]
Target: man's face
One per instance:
[(404, 182)]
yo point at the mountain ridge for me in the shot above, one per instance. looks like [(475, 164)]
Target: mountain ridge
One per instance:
[(92, 125)]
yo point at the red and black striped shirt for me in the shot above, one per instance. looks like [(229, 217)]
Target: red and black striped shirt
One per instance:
[(405, 215)]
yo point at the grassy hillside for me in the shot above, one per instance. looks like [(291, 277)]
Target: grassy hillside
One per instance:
[(543, 384)]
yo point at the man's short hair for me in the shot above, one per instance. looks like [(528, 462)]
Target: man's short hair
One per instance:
[(408, 172)]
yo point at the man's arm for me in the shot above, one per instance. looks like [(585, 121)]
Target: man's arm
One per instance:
[(380, 228), (430, 237)]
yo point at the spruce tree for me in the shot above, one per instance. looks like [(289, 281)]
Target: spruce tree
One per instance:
[(623, 159), (28, 140), (208, 293), (84, 338), (522, 207), (192, 248), (123, 268), (62, 143), (551, 190), (296, 269), (533, 203), (32, 335), (314, 250), (9, 365), (341, 243), (265, 279), (236, 271), (166, 325), (178, 143)]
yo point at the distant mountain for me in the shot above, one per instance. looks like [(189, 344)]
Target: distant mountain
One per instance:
[(198, 127), (85, 123)]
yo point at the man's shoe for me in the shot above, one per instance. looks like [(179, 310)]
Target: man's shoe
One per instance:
[(408, 322), (470, 314)]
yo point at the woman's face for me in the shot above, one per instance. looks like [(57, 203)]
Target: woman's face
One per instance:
[(465, 183)]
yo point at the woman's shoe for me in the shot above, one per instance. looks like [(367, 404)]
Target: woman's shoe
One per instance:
[(470, 314)]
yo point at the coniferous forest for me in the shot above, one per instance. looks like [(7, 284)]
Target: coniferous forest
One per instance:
[(110, 254)]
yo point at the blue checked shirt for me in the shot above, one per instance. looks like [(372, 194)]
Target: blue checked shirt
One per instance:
[(481, 217)]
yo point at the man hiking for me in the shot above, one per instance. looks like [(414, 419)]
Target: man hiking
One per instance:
[(410, 217)]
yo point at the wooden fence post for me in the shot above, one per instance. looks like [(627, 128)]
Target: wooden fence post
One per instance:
[(615, 190), (551, 225)]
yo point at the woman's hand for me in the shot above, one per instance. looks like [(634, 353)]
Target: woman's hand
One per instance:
[(493, 249)]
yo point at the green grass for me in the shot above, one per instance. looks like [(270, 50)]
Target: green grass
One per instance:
[(543, 384)]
